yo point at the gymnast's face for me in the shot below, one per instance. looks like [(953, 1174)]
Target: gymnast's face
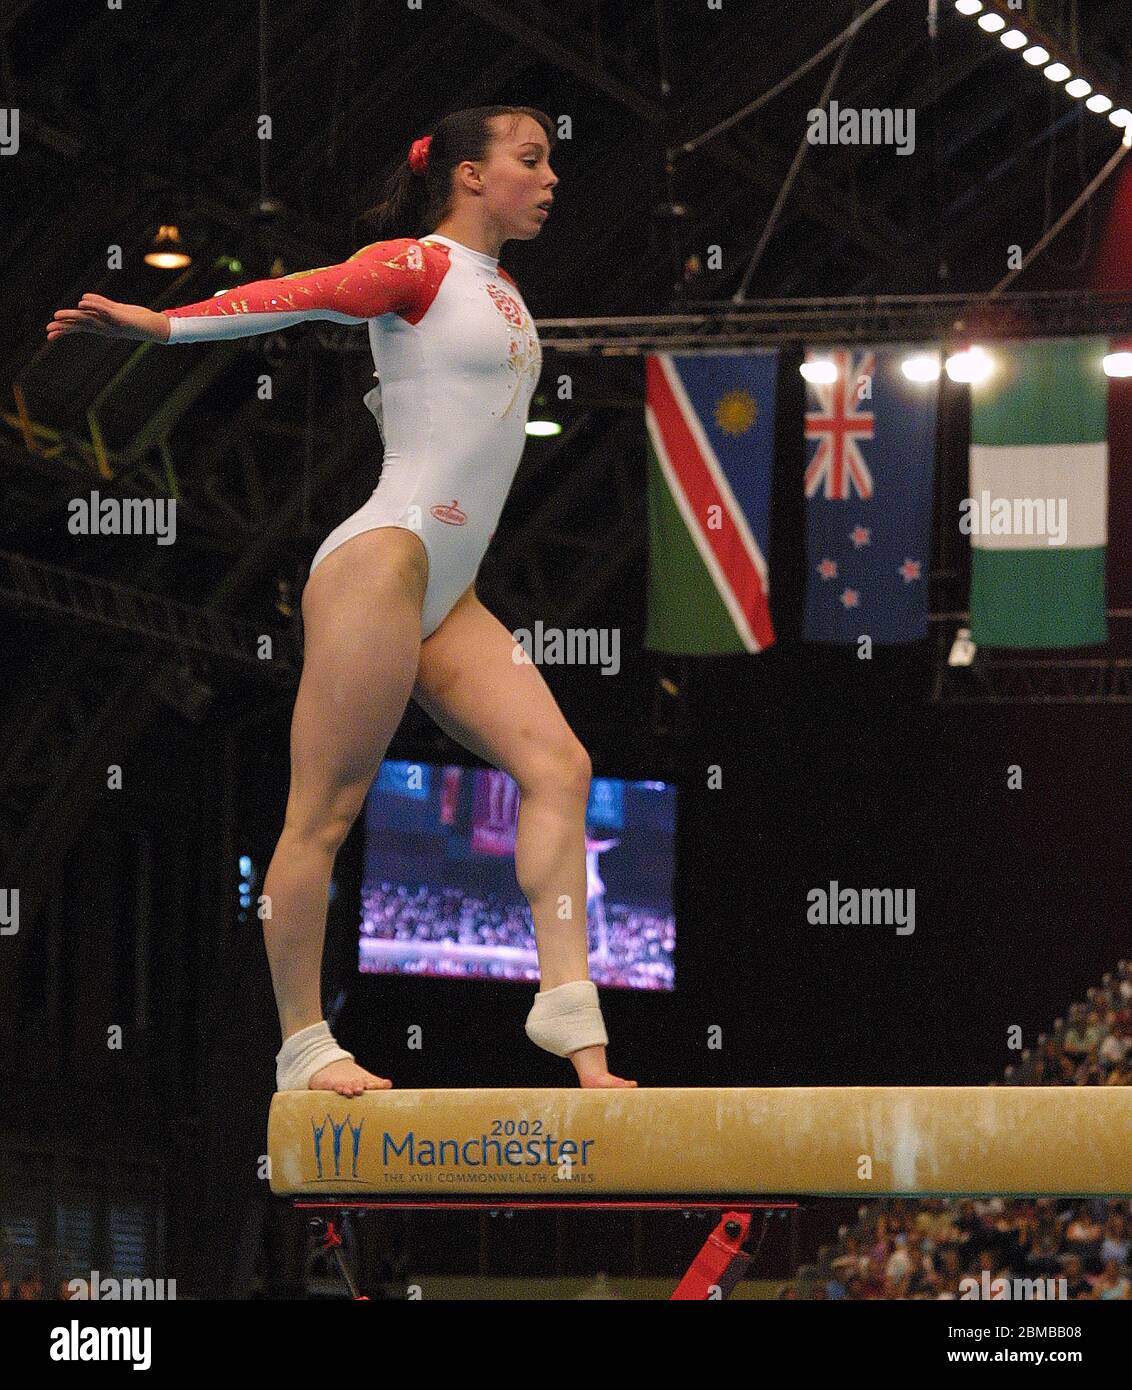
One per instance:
[(518, 177)]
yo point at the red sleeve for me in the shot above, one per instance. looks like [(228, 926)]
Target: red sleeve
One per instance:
[(399, 276)]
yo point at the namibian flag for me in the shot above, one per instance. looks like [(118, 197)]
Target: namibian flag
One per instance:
[(1038, 511), (710, 420)]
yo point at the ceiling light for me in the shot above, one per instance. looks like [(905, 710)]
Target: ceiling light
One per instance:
[(1118, 364), (166, 251), (921, 366), (819, 371)]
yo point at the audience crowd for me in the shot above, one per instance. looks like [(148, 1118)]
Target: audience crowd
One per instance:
[(935, 1249)]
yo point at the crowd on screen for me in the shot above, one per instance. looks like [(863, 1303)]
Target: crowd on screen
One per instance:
[(640, 943), (908, 1249)]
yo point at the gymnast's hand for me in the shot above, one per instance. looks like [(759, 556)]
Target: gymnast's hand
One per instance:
[(109, 319)]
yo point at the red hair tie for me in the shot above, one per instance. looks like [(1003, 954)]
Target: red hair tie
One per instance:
[(418, 155)]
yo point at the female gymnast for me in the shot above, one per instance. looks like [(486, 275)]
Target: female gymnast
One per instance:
[(390, 609)]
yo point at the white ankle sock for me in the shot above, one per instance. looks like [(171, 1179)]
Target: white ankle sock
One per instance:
[(567, 1018), (304, 1053)]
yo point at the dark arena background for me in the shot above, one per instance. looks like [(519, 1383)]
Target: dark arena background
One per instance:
[(724, 228)]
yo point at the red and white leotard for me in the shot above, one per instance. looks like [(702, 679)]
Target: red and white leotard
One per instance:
[(457, 357)]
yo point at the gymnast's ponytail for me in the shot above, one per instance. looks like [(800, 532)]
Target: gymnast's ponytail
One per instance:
[(415, 200)]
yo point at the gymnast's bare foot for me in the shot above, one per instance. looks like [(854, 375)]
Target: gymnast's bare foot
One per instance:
[(348, 1079), (593, 1073)]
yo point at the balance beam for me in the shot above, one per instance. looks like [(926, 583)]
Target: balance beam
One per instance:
[(732, 1142)]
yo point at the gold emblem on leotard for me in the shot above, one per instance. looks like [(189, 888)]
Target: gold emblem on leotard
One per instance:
[(524, 356)]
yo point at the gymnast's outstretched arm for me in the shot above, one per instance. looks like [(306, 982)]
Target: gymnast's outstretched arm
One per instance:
[(384, 277)]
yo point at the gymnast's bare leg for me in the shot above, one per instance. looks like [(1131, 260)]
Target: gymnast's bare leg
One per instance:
[(469, 683), (362, 633)]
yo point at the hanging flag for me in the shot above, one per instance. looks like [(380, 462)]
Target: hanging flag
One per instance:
[(710, 423), (870, 463), (1038, 510)]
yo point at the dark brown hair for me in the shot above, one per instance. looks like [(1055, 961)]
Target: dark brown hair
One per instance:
[(413, 205)]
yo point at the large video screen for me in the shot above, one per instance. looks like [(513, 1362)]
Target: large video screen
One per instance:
[(440, 896)]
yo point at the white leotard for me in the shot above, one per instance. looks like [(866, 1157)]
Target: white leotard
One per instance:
[(457, 357)]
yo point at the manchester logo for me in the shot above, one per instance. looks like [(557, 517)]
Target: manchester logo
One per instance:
[(452, 515), (345, 1161)]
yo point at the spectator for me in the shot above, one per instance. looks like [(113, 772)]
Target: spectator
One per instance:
[(1094, 1031), (898, 1269), (1042, 1256), (1074, 1040), (922, 1267), (851, 1263), (945, 1280), (1113, 1049), (872, 1285), (1082, 1231), (1113, 1283), (1077, 1286), (936, 1223), (1116, 1244)]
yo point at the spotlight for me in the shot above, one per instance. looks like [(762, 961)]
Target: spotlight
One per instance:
[(974, 366), (921, 366), (1118, 364), (166, 250), (819, 371), (963, 650)]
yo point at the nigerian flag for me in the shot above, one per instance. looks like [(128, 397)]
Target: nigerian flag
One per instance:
[(1038, 510)]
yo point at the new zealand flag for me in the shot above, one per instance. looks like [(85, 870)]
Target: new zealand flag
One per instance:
[(870, 465)]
